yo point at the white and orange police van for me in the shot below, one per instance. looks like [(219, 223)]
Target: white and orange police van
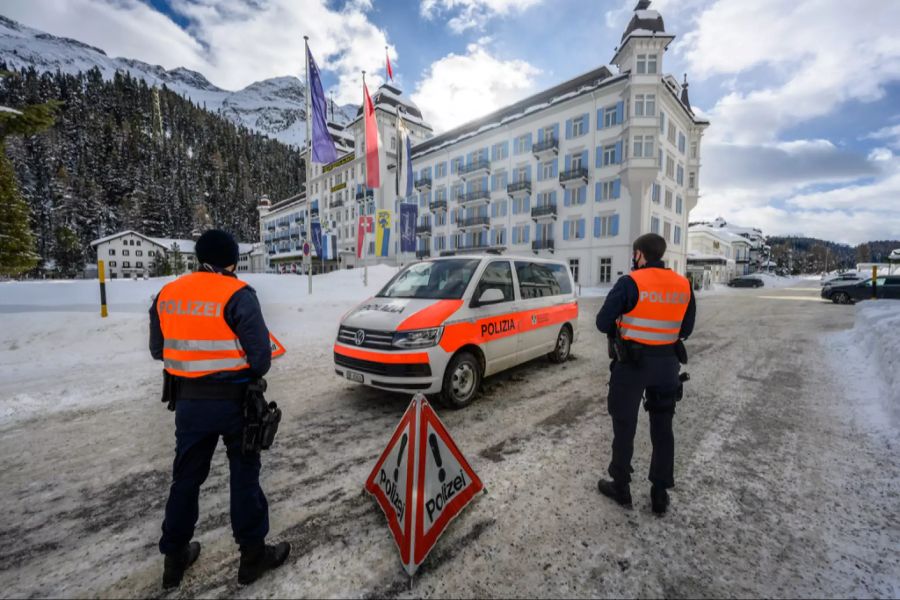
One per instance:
[(441, 325)]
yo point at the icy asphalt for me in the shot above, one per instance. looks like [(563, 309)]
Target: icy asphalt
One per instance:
[(787, 468)]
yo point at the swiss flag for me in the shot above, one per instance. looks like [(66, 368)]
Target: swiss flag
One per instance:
[(373, 176)]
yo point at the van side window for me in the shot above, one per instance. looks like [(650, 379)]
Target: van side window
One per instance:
[(497, 275), (562, 278), (536, 280)]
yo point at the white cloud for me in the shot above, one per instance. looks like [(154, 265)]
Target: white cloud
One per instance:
[(128, 28), (889, 132), (880, 154), (808, 57), (770, 187), (462, 87), (472, 14), (232, 42)]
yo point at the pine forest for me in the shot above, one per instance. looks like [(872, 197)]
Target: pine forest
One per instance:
[(122, 155)]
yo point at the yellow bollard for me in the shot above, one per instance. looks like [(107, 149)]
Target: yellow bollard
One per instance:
[(102, 275)]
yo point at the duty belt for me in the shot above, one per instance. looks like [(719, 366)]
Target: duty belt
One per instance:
[(188, 389)]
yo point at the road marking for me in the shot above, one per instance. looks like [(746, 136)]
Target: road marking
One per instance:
[(807, 298)]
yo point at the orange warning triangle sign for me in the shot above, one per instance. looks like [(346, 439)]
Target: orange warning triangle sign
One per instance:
[(445, 482), (421, 481), (277, 347), (391, 481)]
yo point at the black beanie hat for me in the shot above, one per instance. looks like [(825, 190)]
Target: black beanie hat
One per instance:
[(217, 248)]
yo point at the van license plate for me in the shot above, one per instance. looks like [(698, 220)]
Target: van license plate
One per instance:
[(357, 377)]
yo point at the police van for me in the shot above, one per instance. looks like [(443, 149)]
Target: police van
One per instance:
[(441, 325)]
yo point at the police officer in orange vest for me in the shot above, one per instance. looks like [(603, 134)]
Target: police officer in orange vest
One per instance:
[(208, 329), (646, 315)]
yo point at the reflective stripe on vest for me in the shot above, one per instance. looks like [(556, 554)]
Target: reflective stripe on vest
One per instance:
[(197, 340), (212, 365), (663, 298), (203, 345)]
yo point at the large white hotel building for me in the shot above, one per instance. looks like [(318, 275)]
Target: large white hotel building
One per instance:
[(575, 172)]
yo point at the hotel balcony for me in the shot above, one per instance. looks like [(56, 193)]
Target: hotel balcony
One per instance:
[(574, 178), (423, 230), (546, 212), (437, 205), (477, 168), (423, 185), (538, 245), (519, 189), (474, 223), (337, 203), (477, 198), (546, 149)]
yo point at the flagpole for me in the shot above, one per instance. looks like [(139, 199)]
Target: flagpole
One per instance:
[(365, 252), (308, 258), (400, 159), (386, 74)]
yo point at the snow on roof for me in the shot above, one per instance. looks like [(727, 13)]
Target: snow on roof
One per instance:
[(719, 232), (184, 246)]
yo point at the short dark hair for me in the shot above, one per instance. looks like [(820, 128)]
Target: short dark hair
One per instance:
[(652, 245)]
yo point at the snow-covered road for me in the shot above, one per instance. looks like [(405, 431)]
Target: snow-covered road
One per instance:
[(787, 468)]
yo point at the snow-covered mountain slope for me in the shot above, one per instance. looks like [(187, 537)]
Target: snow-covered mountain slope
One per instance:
[(275, 107)]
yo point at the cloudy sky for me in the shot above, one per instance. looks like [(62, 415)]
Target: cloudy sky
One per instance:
[(803, 95)]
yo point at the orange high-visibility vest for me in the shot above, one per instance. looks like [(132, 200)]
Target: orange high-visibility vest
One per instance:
[(197, 340), (663, 298)]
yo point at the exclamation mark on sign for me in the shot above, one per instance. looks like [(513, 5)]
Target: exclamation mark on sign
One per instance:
[(400, 457), (432, 439)]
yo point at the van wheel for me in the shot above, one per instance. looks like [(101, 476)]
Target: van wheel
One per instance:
[(563, 348), (461, 381)]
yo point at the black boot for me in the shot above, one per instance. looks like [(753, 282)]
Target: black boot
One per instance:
[(659, 500), (176, 564), (620, 492), (256, 560)]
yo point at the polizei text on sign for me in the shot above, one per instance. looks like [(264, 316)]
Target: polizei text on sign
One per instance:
[(394, 495), (435, 505)]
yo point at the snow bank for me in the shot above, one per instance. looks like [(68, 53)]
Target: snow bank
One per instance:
[(56, 353), (873, 345)]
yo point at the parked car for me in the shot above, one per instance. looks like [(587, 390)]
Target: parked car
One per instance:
[(746, 281), (848, 293), (842, 278)]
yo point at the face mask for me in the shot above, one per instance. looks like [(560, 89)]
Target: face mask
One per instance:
[(634, 262)]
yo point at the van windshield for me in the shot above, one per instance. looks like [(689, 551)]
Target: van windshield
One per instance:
[(432, 280)]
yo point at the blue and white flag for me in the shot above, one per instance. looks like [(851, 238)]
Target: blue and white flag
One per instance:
[(323, 150), (409, 213), (317, 238)]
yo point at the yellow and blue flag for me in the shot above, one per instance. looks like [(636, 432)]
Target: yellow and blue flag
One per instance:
[(382, 232)]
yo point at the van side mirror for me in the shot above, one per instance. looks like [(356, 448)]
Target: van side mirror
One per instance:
[(490, 296)]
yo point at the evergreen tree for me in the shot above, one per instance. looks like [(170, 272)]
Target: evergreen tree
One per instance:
[(67, 252), (160, 267), (17, 253), (176, 260)]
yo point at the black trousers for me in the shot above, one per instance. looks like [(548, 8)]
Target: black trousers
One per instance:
[(198, 426), (658, 376)]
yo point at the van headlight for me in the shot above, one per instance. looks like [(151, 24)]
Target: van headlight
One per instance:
[(418, 338)]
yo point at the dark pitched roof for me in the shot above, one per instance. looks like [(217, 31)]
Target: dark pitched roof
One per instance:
[(590, 79), (650, 21)]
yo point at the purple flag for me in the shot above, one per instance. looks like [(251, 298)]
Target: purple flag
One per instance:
[(323, 151)]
